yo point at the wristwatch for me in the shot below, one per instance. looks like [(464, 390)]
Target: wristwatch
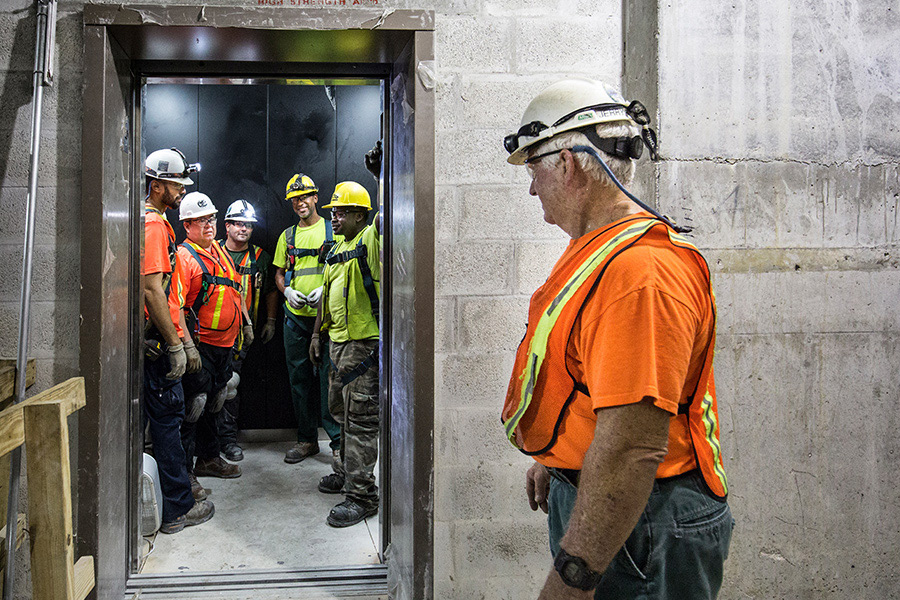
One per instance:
[(575, 572)]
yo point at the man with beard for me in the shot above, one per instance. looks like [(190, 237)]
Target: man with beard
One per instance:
[(253, 265), (168, 351)]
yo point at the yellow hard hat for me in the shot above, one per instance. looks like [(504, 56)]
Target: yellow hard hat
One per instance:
[(300, 185), (350, 194)]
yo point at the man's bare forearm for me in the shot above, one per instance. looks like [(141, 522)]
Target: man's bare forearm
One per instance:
[(616, 479), (158, 308)]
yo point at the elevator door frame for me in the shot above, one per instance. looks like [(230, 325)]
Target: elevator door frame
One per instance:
[(123, 43)]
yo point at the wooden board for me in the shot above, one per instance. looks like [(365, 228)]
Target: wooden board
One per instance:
[(8, 379)]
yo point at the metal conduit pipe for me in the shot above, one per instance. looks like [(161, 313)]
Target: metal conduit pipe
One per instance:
[(43, 76)]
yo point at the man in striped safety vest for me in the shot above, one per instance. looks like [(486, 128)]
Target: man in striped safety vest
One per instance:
[(612, 390), (254, 267), (348, 317), (217, 317), (300, 262), (168, 349)]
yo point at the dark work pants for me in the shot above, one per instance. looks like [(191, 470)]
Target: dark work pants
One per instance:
[(163, 410), (309, 386), (201, 439), (227, 419), (676, 551)]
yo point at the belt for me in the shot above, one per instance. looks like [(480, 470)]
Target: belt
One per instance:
[(570, 476)]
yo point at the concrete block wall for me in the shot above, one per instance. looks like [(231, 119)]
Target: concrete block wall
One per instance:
[(493, 250), (54, 308), (779, 128)]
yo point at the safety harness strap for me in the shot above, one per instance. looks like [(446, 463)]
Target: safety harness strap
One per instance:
[(209, 280), (357, 371), (293, 253), (361, 253)]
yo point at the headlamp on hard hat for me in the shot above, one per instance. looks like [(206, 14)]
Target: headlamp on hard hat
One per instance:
[(300, 185), (162, 173)]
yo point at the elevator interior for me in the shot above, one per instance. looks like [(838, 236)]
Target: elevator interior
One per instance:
[(251, 135), (124, 48)]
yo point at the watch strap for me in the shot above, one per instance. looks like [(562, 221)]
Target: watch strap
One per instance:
[(574, 572)]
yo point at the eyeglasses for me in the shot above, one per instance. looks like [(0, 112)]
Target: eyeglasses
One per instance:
[(240, 224), (532, 161), (201, 221), (179, 187)]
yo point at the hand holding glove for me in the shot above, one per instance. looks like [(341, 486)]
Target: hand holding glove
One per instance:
[(247, 331), (193, 356), (314, 296), (268, 331), (177, 360), (295, 299)]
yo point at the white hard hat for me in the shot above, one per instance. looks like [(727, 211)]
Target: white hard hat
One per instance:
[(196, 205), (570, 104), (170, 165), (241, 210)]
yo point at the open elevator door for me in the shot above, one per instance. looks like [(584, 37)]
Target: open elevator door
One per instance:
[(121, 42)]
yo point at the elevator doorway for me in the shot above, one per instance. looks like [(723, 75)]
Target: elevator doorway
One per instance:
[(123, 45), (250, 136)]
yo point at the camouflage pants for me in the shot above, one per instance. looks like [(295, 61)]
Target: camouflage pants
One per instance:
[(355, 408)]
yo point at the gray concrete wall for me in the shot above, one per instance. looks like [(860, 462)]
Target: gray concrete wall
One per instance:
[(778, 124)]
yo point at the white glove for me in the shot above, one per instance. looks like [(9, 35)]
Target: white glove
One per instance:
[(295, 299), (268, 331), (193, 356), (314, 296)]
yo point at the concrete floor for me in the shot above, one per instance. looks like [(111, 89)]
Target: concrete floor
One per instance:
[(271, 517)]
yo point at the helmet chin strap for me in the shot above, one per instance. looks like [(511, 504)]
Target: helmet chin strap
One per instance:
[(632, 197)]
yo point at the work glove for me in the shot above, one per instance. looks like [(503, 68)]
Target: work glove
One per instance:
[(373, 160), (177, 360), (268, 331), (247, 330), (295, 299), (314, 296), (193, 356)]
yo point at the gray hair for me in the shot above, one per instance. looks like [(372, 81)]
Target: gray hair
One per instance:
[(622, 168)]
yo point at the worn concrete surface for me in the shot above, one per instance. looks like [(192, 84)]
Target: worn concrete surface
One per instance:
[(272, 516), (779, 131)]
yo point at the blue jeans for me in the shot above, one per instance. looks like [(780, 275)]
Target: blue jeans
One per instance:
[(163, 410), (676, 551)]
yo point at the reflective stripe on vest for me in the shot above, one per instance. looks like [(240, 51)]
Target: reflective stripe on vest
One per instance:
[(537, 348), (214, 285), (251, 281), (361, 253), (702, 422), (293, 253)]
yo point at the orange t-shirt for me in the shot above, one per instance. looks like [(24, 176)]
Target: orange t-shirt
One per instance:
[(158, 234), (218, 331), (643, 333)]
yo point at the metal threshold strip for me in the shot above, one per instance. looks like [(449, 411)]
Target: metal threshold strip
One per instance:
[(366, 581)]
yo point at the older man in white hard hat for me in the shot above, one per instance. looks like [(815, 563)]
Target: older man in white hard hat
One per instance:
[(612, 389), (254, 266), (169, 350), (213, 298)]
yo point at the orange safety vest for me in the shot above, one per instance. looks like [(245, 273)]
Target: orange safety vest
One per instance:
[(540, 391), (218, 303)]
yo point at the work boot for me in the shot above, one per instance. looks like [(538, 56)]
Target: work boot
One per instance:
[(332, 483), (197, 491), (201, 512), (336, 463), (349, 512), (300, 451), (233, 452), (216, 467)]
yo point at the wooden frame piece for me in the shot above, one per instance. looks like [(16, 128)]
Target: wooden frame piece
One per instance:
[(42, 424)]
